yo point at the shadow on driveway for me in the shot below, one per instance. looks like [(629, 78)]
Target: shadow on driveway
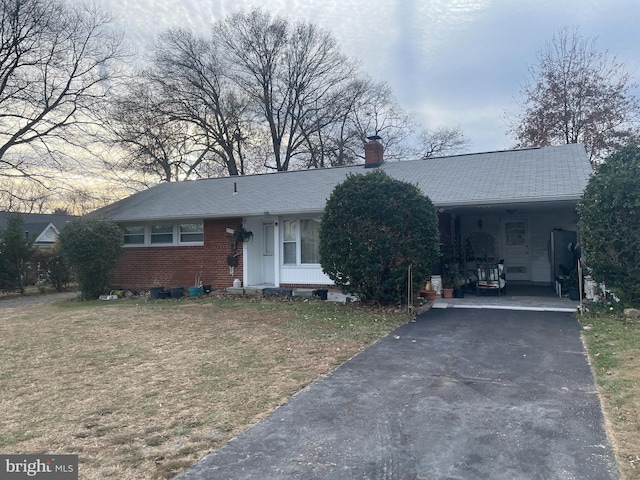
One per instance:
[(458, 394)]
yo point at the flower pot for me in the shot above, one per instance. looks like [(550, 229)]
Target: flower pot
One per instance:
[(458, 293), (447, 292), (430, 295), (156, 292), (574, 293), (177, 292), (195, 291)]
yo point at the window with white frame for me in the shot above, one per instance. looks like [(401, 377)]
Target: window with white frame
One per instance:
[(156, 234), (310, 241), (301, 242), (161, 233), (289, 242), (191, 232), (133, 235)]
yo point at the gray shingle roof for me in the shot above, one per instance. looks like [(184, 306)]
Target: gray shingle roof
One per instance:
[(511, 176), (35, 223)]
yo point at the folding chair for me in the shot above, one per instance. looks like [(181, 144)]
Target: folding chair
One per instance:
[(490, 278)]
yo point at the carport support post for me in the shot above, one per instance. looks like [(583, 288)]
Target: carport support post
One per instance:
[(580, 309), (410, 289)]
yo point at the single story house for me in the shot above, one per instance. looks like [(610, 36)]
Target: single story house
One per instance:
[(42, 228), (495, 205)]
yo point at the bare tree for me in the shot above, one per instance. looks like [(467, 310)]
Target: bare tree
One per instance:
[(259, 94), (576, 94), (182, 118), (151, 141), (360, 109), (21, 195), (441, 142), (377, 112), (194, 81), (289, 73), (56, 66)]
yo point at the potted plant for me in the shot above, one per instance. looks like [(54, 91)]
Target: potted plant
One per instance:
[(241, 234), (452, 279), (428, 292), (196, 290), (458, 285), (447, 287), (157, 291)]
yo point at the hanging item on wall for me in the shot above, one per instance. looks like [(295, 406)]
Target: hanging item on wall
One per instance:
[(232, 262), (240, 234)]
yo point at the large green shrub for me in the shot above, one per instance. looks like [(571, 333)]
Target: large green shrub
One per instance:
[(372, 229), (91, 248), (16, 251), (609, 224)]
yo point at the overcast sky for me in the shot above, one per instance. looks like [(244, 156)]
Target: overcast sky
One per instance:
[(451, 62)]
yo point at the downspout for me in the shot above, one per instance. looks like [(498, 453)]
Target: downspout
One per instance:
[(276, 251)]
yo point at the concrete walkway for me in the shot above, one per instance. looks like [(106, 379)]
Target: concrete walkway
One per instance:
[(510, 302), (458, 394)]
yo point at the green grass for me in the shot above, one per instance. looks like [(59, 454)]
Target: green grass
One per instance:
[(613, 344)]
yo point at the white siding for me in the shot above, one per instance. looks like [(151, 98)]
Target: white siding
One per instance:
[(304, 275)]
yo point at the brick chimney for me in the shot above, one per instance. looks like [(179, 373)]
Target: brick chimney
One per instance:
[(373, 152)]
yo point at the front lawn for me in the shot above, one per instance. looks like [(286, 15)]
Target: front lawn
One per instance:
[(142, 389), (614, 350)]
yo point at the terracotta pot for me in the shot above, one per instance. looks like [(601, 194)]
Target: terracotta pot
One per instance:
[(430, 295), (447, 292)]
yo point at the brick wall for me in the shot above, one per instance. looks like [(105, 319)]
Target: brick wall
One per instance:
[(141, 267)]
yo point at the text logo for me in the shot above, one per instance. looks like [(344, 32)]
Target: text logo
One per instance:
[(49, 467)]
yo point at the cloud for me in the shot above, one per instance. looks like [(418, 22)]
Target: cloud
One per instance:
[(455, 62)]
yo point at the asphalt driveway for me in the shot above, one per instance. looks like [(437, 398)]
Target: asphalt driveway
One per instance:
[(459, 394)]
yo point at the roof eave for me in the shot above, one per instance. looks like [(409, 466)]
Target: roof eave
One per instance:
[(508, 201)]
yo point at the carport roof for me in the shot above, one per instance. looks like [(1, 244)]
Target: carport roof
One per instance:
[(549, 174)]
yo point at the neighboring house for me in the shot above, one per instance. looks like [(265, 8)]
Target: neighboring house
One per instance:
[(501, 205), (42, 228)]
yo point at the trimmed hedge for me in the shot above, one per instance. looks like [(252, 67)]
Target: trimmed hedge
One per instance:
[(372, 229), (609, 224)]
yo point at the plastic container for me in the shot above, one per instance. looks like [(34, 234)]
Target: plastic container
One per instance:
[(177, 291)]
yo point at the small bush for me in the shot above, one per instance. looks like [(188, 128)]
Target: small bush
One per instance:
[(609, 224), (91, 248), (372, 229), (52, 268), (16, 252)]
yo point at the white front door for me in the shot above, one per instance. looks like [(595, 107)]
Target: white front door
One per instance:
[(268, 266), (516, 250)]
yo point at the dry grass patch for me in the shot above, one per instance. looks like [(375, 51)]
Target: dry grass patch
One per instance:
[(614, 351), (142, 390)]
